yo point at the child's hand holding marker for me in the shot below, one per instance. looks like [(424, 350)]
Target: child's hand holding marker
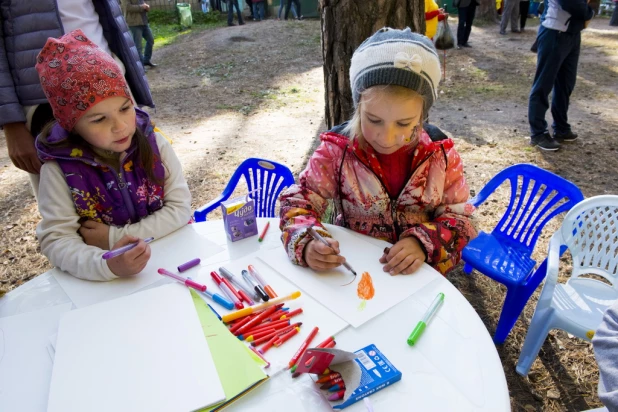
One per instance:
[(321, 257), (404, 257), (132, 261)]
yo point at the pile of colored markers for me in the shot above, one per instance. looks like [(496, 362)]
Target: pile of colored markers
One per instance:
[(254, 288), (271, 327)]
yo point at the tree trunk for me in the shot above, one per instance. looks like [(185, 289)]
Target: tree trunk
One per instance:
[(486, 10), (345, 25)]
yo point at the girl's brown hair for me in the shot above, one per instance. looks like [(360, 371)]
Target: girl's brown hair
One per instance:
[(144, 150), (353, 128)]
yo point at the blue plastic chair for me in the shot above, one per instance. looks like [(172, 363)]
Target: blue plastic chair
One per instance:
[(505, 254), (267, 176)]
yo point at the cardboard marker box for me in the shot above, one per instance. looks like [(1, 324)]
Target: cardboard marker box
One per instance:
[(363, 372), (239, 218)]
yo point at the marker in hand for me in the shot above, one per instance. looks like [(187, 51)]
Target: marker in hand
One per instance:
[(121, 250), (319, 238)]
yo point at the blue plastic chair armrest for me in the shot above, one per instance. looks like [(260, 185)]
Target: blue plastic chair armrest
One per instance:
[(201, 213)]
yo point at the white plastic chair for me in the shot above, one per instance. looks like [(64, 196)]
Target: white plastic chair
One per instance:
[(590, 232)]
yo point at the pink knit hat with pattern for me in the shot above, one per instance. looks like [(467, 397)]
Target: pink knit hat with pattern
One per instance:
[(76, 75)]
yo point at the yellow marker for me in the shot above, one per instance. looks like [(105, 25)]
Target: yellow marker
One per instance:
[(256, 308)]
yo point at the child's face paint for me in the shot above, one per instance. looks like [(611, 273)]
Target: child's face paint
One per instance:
[(388, 120), (109, 125)]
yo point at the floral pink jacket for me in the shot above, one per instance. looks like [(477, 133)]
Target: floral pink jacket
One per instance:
[(431, 207)]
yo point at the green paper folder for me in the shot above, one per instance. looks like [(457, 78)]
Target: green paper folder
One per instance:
[(239, 369)]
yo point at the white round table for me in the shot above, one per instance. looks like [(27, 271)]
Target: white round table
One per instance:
[(454, 366)]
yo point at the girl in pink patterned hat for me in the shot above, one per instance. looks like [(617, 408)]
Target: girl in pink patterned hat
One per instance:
[(108, 179)]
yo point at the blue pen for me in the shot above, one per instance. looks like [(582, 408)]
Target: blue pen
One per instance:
[(214, 311), (218, 299)]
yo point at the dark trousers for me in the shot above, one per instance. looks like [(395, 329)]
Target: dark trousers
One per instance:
[(230, 11), (556, 68), (250, 6), (144, 32), (215, 5), (289, 5), (523, 13), (466, 17)]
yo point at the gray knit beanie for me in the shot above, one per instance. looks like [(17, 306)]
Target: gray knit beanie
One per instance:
[(396, 57)]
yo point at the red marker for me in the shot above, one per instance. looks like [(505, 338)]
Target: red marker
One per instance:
[(277, 333), (329, 377), (292, 313), (228, 292), (229, 285), (255, 321), (303, 348), (267, 325), (264, 231), (326, 342), (331, 382), (258, 335), (330, 345), (268, 345), (286, 337), (243, 321)]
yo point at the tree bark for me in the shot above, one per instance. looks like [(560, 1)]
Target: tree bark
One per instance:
[(486, 10), (345, 25)]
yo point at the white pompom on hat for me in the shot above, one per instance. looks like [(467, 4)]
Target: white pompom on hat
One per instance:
[(399, 58)]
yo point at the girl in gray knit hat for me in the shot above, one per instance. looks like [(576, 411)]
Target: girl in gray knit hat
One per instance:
[(382, 173)]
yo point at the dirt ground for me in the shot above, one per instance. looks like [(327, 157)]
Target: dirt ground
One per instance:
[(227, 94)]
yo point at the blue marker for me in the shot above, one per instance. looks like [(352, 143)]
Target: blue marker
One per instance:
[(218, 299)]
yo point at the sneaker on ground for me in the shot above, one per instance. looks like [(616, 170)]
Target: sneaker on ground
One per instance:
[(565, 137), (545, 142)]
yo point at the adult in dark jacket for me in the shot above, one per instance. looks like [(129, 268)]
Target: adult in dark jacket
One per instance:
[(559, 42), (26, 25)]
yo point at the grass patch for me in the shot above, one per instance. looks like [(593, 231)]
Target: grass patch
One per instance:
[(166, 30)]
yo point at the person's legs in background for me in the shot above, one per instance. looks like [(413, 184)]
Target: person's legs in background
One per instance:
[(250, 7), (238, 13), (563, 87), (549, 59), (469, 20), (523, 13), (298, 12), (147, 34), (461, 26), (509, 14), (136, 32)]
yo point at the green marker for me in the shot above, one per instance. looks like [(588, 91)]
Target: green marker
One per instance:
[(420, 327)]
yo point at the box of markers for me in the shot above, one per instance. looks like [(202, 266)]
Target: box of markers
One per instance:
[(239, 218), (362, 373), (377, 372)]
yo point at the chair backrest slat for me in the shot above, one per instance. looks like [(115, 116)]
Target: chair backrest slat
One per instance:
[(537, 196), (590, 230)]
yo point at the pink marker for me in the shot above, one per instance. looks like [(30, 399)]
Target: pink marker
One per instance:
[(187, 282)]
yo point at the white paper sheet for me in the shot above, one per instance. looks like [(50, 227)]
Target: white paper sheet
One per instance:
[(326, 287), (314, 314), (144, 352), (168, 252), (25, 364)]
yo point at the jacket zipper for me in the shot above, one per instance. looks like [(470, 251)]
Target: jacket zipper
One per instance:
[(393, 202)]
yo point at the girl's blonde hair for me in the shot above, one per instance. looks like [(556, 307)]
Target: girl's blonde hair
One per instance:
[(353, 128)]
